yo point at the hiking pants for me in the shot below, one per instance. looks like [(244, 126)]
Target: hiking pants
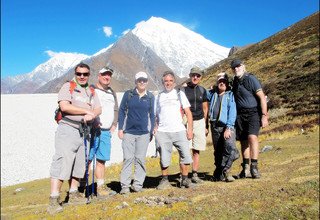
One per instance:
[(225, 151), (134, 152)]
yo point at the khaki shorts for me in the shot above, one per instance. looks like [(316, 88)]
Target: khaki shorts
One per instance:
[(69, 157), (198, 141)]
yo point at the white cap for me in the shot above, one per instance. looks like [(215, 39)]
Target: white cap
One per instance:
[(106, 69), (141, 75)]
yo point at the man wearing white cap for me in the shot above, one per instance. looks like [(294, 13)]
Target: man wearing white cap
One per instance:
[(105, 125), (136, 124)]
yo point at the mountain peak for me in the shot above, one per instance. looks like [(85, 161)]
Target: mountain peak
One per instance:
[(180, 47)]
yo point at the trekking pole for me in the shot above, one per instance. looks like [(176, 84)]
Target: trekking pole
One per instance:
[(93, 162), (85, 135)]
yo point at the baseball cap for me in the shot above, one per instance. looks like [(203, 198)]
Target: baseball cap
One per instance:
[(106, 69), (141, 75), (235, 63), (196, 70), (222, 76)]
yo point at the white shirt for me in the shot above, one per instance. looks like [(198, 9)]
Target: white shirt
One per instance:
[(107, 103), (167, 108)]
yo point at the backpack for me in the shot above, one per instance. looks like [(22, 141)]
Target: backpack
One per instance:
[(58, 115)]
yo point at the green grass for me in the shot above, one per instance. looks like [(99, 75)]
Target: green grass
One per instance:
[(288, 189)]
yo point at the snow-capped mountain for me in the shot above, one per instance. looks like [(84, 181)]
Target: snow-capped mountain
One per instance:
[(56, 66), (152, 46), (179, 47)]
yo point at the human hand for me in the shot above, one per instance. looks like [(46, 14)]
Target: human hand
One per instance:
[(120, 134)]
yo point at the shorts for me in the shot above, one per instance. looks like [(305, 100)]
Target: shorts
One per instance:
[(101, 146), (69, 158), (165, 141), (248, 123), (198, 141)]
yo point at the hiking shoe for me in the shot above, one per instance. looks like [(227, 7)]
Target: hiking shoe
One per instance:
[(254, 171), (245, 173), (125, 190), (228, 178), (196, 179), (103, 191), (164, 184), (186, 183), (76, 198), (54, 205), (136, 189)]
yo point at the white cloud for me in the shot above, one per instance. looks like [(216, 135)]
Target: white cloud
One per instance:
[(107, 30), (125, 32), (50, 53)]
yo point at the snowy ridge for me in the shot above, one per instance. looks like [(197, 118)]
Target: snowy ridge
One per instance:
[(179, 47), (56, 66)]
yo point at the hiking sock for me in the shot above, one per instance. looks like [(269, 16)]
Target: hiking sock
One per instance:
[(54, 194), (100, 182), (254, 161), (72, 190), (165, 177), (246, 160)]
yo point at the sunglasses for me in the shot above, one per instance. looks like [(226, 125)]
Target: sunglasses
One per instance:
[(106, 73), (195, 75), (142, 80), (82, 74)]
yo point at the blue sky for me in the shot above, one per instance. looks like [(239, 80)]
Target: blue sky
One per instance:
[(31, 30)]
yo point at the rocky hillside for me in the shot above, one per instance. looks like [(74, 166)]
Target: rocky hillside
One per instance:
[(287, 64)]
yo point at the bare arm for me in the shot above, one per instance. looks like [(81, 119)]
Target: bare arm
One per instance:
[(190, 123), (263, 103)]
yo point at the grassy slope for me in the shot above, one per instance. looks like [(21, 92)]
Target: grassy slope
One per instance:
[(288, 189)]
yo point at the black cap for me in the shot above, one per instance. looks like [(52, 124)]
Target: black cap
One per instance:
[(235, 63)]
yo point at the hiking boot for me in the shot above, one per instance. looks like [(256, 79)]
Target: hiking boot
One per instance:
[(196, 179), (186, 183), (254, 171), (76, 198), (245, 173), (136, 189), (164, 184), (54, 205), (103, 192), (228, 177), (125, 190)]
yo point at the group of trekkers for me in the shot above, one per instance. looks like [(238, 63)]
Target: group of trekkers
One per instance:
[(178, 116)]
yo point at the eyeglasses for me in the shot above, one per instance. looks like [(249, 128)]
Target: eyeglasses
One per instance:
[(106, 73), (196, 75), (142, 80), (236, 66), (82, 74)]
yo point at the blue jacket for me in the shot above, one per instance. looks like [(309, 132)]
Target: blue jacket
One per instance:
[(228, 110), (136, 115)]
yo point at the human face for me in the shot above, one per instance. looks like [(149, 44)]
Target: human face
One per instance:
[(195, 78), (105, 79), (222, 85), (238, 70), (82, 75), (168, 82), (142, 84)]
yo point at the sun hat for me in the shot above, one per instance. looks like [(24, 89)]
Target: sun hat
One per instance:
[(196, 70), (141, 75)]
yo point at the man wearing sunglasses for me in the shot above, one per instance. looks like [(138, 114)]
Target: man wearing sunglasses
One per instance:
[(251, 115), (197, 97), (79, 106), (135, 129)]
